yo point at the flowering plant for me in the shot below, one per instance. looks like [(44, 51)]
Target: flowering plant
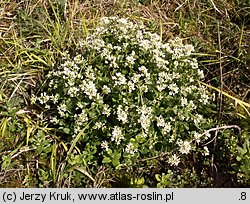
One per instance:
[(134, 96)]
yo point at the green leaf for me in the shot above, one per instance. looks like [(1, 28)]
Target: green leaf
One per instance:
[(124, 71), (66, 130), (47, 150), (40, 134), (110, 152), (6, 162), (186, 126), (242, 151), (92, 114), (106, 160), (141, 181), (139, 139), (158, 177), (116, 162), (116, 158)]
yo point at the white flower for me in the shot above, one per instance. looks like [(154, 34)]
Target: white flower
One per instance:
[(174, 160), (197, 119), (185, 147), (81, 118), (188, 49), (161, 87), (131, 149), (54, 120), (122, 115), (106, 110), (184, 102), (160, 121), (197, 137), (88, 87), (55, 98), (104, 20), (174, 89), (62, 108), (33, 99), (136, 78), (172, 138), (191, 105), (144, 110), (106, 89), (44, 98), (122, 21), (117, 135), (145, 121), (206, 151), (144, 88), (79, 105), (200, 74), (119, 79), (99, 125), (181, 116), (145, 44), (73, 91), (113, 62), (145, 72), (131, 86), (167, 128), (194, 64), (77, 129), (176, 63), (145, 118), (105, 145), (78, 59), (204, 98), (130, 59)]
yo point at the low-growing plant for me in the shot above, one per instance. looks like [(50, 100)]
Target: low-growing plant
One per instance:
[(244, 160), (127, 96)]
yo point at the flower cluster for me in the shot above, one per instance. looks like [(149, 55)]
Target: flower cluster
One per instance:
[(131, 92)]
